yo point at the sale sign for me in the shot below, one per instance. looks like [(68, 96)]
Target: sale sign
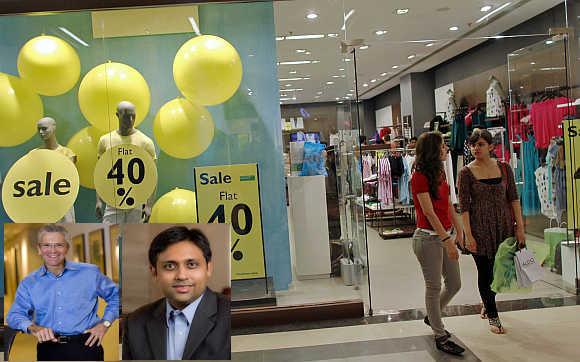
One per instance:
[(230, 194), (572, 148)]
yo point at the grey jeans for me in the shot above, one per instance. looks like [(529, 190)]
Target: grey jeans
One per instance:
[(435, 263)]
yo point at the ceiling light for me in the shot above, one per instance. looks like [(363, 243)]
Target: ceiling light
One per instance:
[(280, 38), (346, 17), (349, 95), (330, 82), (317, 97), (308, 53), (493, 12), (548, 42), (300, 50), (373, 80), (430, 44), (533, 63), (337, 98), (347, 59), (293, 72), (365, 85), (380, 32), (383, 74), (307, 36), (411, 56), (306, 78), (395, 66), (292, 90), (297, 62), (336, 76), (401, 11), (364, 47), (311, 16), (486, 8), (289, 79), (288, 85), (340, 102), (333, 35), (285, 99), (318, 92), (341, 69), (315, 61), (454, 28)]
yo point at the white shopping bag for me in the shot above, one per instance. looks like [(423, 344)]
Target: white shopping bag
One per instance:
[(521, 277), (529, 266)]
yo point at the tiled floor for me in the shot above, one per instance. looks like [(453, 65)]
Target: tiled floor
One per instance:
[(397, 282), (549, 334)]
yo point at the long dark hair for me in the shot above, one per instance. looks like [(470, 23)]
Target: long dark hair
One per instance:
[(428, 161)]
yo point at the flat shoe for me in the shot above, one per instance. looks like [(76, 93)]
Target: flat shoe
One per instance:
[(426, 321), (450, 347)]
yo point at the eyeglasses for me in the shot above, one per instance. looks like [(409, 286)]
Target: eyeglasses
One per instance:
[(58, 246)]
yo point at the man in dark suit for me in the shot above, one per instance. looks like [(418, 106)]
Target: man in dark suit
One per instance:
[(192, 322)]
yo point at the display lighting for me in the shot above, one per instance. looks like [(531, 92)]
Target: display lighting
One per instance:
[(493, 12)]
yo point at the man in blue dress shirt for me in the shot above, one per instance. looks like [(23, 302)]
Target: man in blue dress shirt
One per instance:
[(58, 303), (192, 322)]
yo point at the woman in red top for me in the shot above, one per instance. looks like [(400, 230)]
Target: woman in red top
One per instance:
[(434, 240)]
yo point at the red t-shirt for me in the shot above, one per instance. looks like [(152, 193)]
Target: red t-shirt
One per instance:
[(419, 184)]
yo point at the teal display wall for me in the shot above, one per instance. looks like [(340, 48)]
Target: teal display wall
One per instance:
[(247, 126)]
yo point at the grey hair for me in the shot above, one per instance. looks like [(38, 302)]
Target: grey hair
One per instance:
[(53, 228)]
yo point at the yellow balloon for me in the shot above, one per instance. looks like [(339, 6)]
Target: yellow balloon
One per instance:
[(49, 64), (20, 109), (183, 129), (84, 144), (104, 86), (40, 187), (177, 206), (207, 70)]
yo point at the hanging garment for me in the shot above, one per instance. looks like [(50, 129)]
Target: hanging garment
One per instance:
[(404, 196), (367, 169), (543, 185), (530, 198), (448, 166), (546, 119), (458, 132), (396, 163), (385, 182), (494, 104), (451, 107), (467, 156), (410, 162), (516, 127)]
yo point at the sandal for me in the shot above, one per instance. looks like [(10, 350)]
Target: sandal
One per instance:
[(483, 313), (496, 326)]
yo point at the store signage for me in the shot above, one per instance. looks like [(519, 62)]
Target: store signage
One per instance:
[(572, 149), (125, 176), (40, 187), (230, 194)]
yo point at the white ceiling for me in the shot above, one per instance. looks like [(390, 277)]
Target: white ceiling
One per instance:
[(425, 20)]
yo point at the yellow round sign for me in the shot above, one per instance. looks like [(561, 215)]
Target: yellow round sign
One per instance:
[(125, 176), (40, 187)]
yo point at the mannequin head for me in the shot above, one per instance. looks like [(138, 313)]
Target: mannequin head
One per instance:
[(126, 115), (46, 128)]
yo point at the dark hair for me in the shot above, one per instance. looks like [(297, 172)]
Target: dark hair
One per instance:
[(174, 235), (480, 133), (413, 138), (428, 161)]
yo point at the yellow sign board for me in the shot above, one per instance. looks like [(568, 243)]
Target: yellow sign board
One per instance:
[(572, 148), (230, 194)]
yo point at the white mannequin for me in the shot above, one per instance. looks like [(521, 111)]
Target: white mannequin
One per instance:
[(46, 128), (126, 133)]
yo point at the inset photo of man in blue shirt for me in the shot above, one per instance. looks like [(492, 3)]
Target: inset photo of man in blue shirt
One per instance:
[(58, 302)]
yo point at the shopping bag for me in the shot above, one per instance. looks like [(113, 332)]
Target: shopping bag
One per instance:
[(528, 264), (521, 277)]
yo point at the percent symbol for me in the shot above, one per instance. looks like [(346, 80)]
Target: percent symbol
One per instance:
[(238, 255), (128, 200)]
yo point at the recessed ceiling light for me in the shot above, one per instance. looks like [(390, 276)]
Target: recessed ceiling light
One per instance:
[(251, 55), (279, 38), (347, 60), (492, 12), (318, 92), (395, 66), (486, 8), (548, 42), (383, 74), (298, 62), (289, 79), (315, 61), (373, 80), (311, 16), (306, 78), (411, 56), (533, 63), (402, 11), (341, 69), (521, 87), (300, 50), (330, 82), (380, 32), (288, 85), (365, 85), (293, 72), (430, 44), (292, 90), (307, 36), (336, 76), (349, 95), (364, 47), (453, 28), (333, 35), (308, 53), (351, 90)]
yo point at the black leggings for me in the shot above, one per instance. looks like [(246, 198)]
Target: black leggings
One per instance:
[(484, 279)]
